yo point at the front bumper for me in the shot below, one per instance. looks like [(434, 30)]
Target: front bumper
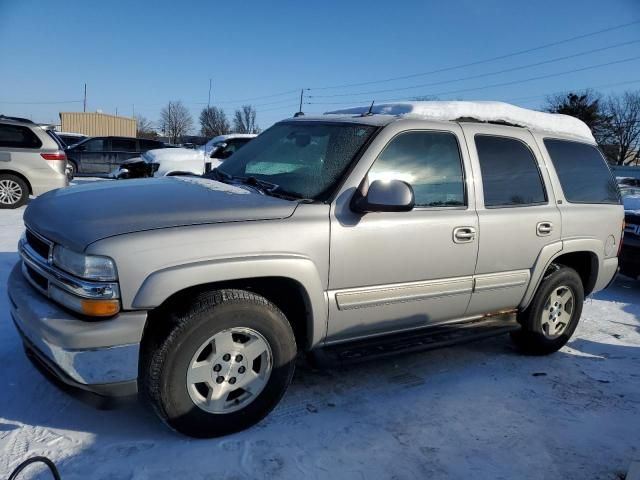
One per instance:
[(99, 357)]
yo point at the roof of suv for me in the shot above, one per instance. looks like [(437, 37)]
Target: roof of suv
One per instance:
[(462, 111), (14, 120)]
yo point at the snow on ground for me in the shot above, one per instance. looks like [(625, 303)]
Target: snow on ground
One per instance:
[(472, 411)]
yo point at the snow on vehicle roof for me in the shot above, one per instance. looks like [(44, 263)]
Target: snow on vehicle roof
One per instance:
[(481, 111)]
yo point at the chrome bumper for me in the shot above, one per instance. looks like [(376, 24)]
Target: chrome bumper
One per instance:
[(88, 353)]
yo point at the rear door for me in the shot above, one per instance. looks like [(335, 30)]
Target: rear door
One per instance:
[(517, 213), (94, 156), (122, 149)]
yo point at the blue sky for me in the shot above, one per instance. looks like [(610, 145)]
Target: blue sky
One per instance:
[(137, 54)]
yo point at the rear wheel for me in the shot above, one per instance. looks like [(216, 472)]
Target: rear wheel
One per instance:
[(14, 191), (221, 365), (72, 169), (553, 315)]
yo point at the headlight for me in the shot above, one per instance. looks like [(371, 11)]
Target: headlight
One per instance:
[(90, 267)]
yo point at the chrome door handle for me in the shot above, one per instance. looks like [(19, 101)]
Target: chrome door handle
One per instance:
[(544, 228), (464, 234)]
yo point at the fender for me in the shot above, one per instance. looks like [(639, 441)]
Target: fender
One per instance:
[(552, 251), (160, 285)]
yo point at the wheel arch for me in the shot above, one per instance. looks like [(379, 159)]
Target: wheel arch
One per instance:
[(294, 287), (585, 256)]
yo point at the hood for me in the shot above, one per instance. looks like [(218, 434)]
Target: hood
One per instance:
[(78, 216), (174, 154)]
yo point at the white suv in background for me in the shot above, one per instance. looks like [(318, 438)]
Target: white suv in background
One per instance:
[(32, 161)]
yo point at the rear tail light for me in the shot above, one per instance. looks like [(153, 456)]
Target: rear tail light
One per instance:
[(54, 156)]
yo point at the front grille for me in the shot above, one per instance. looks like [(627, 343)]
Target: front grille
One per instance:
[(41, 247), (38, 279)]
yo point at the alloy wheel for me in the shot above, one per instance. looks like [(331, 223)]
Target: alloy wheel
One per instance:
[(10, 192), (557, 312), (229, 370)]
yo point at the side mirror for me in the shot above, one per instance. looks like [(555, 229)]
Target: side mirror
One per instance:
[(385, 196)]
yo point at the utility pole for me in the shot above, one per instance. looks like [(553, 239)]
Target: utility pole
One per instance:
[(209, 101), (84, 103), (116, 111), (133, 107)]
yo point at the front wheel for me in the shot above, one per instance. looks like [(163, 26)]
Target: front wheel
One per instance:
[(221, 365), (553, 315)]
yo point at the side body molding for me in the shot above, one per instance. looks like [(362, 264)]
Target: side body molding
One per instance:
[(161, 284)]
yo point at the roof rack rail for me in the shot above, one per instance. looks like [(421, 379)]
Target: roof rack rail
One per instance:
[(492, 122), (16, 119)]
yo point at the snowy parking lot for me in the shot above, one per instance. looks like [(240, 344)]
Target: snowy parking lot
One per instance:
[(474, 411)]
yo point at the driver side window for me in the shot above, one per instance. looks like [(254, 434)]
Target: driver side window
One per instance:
[(428, 161)]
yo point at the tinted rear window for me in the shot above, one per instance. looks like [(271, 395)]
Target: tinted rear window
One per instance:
[(15, 136), (583, 172), (510, 175)]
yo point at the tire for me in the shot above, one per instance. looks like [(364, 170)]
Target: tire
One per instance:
[(195, 342), (14, 191), (72, 170), (545, 330)]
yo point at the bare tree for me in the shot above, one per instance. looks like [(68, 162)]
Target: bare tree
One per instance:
[(623, 143), (587, 106), (213, 122), (144, 128), (244, 120), (175, 121)]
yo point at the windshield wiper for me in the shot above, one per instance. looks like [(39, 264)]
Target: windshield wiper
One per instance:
[(268, 188)]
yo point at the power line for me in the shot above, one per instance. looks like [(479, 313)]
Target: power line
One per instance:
[(503, 84), (568, 90), (482, 75), (479, 62)]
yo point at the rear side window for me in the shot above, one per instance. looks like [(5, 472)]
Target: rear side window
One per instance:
[(95, 145), (583, 172), (123, 144), (15, 136), (510, 174), (428, 161)]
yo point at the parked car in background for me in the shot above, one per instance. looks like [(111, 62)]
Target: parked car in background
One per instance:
[(69, 138), (99, 156), (183, 161), (630, 253), (32, 161)]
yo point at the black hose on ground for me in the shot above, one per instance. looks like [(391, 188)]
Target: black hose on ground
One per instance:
[(26, 463)]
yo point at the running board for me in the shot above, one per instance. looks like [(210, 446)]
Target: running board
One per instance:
[(428, 338)]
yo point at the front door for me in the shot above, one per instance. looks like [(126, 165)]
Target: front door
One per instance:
[(393, 271), (517, 213)]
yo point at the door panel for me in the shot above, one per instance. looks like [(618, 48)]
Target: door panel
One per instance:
[(511, 236), (94, 158), (398, 270)]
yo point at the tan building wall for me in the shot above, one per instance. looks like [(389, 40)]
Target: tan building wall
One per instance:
[(97, 124)]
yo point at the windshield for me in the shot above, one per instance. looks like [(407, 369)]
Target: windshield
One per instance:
[(303, 159)]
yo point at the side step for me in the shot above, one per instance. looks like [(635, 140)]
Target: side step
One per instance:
[(428, 338)]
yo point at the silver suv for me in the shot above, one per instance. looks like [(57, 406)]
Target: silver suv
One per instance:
[(32, 161), (343, 237)]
